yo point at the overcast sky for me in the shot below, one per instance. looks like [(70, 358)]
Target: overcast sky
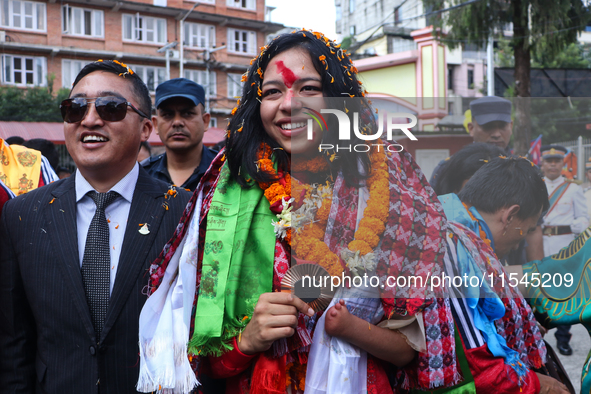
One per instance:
[(318, 15)]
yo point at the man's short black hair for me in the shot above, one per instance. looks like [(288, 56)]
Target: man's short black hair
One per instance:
[(47, 149), (504, 182), (15, 140), (139, 88)]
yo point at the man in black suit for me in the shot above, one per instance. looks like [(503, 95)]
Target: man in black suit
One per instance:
[(74, 255)]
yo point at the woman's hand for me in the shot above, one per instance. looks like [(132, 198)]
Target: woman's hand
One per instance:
[(275, 317)]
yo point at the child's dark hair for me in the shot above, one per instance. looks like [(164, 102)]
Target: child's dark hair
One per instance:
[(504, 182), (462, 165)]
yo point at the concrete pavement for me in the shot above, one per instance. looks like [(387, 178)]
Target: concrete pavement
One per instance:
[(573, 364)]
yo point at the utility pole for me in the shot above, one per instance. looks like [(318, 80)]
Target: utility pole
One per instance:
[(182, 27), (207, 60), (166, 48), (490, 67)]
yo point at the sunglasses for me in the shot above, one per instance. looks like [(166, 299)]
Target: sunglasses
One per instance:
[(109, 108)]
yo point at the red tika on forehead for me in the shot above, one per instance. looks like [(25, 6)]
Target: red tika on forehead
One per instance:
[(288, 76)]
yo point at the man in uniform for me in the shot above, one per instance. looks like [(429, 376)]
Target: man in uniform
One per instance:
[(180, 121), (490, 123), (565, 219)]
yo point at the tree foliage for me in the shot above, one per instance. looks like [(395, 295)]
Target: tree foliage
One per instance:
[(35, 104), (539, 26), (574, 55)]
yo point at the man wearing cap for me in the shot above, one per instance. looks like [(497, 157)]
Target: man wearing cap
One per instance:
[(491, 123), (180, 121), (565, 219)]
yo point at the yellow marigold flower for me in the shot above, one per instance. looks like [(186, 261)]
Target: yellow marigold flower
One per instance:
[(367, 235), (373, 223), (243, 78), (380, 185), (274, 190), (318, 251), (332, 264), (360, 246), (234, 110), (313, 230), (376, 210), (324, 211)]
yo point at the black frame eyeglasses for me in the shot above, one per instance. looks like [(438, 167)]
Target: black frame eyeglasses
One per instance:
[(109, 108)]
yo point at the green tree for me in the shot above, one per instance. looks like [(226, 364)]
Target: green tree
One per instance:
[(35, 104), (574, 55), (544, 26)]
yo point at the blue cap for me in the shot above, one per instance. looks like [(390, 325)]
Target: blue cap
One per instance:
[(180, 87), (490, 109)]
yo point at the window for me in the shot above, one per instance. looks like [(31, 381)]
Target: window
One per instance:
[(470, 78), (152, 76), (200, 77), (242, 41), (351, 6), (246, 4), (235, 85), (199, 36), (70, 69), (397, 14), (213, 122), (24, 71), (26, 15), (450, 77), (144, 29), (82, 21), (352, 30), (339, 12)]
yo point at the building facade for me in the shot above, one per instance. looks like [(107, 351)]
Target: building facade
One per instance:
[(47, 42)]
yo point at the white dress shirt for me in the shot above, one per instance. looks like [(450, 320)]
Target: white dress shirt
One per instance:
[(570, 210), (117, 213)]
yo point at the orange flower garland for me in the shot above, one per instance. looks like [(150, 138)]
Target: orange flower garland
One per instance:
[(310, 244), (279, 190)]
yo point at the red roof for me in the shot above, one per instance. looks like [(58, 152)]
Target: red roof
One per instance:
[(55, 132)]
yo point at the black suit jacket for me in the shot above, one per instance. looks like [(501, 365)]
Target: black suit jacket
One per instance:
[(47, 341)]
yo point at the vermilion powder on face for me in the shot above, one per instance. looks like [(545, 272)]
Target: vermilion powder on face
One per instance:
[(288, 76)]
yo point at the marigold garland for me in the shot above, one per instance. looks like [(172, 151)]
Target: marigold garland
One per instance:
[(310, 243), (280, 190), (315, 165)]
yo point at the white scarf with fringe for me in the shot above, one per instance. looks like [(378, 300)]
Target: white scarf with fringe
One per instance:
[(165, 320)]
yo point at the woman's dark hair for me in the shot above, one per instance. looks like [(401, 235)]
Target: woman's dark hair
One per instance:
[(463, 164), (504, 182), (139, 88), (339, 79)]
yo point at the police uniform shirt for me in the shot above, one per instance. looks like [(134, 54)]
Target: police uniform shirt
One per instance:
[(570, 210), (156, 167)]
